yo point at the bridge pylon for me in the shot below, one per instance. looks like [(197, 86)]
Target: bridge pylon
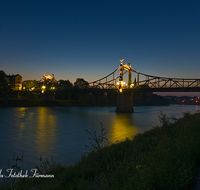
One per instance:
[(125, 102), (124, 98)]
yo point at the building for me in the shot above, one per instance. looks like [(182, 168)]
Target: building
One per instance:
[(14, 81), (31, 85)]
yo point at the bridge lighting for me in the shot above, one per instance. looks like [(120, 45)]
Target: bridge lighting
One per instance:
[(43, 88), (121, 86)]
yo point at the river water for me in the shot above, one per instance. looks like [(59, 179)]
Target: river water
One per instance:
[(59, 131)]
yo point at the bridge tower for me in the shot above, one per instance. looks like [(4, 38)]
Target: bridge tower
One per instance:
[(124, 99)]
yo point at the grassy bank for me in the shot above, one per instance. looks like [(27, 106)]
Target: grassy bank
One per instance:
[(162, 158)]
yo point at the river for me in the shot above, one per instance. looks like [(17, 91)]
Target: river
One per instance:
[(59, 131)]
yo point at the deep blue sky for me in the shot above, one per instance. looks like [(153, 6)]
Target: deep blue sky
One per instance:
[(86, 38)]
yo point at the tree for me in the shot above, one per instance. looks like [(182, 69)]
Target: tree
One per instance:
[(4, 88), (65, 84), (91, 99), (81, 83)]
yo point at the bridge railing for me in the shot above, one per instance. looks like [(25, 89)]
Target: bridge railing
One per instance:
[(171, 83), (164, 82)]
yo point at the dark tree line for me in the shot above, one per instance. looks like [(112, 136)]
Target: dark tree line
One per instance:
[(67, 85), (4, 88)]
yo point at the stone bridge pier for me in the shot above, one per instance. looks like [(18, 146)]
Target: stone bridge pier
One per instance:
[(125, 102)]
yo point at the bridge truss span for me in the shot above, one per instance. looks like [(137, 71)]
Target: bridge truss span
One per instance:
[(122, 79), (162, 84), (107, 82)]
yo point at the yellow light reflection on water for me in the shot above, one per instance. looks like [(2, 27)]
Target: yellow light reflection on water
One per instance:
[(37, 128), (20, 114), (46, 130), (21, 111), (22, 126), (122, 128)]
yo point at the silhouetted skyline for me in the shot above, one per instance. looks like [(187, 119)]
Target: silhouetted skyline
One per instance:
[(86, 39)]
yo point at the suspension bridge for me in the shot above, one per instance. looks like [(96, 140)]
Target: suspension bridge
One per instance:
[(121, 80), (143, 82)]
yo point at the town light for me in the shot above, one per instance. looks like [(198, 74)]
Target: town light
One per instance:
[(43, 88)]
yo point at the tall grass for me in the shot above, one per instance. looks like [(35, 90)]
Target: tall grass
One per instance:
[(162, 158)]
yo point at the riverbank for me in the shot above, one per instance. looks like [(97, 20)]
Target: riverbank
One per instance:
[(164, 157), (186, 103), (38, 102)]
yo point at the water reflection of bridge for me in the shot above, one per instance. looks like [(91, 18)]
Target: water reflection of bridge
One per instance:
[(122, 127)]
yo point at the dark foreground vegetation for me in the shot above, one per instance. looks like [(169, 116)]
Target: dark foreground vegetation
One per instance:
[(162, 158)]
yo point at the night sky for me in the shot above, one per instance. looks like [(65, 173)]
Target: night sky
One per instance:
[(86, 39)]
